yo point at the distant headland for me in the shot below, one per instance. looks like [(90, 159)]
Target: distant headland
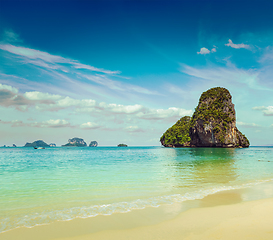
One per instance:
[(213, 124)]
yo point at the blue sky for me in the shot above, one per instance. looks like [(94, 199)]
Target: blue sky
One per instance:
[(125, 71)]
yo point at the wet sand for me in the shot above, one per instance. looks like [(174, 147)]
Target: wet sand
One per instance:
[(235, 214)]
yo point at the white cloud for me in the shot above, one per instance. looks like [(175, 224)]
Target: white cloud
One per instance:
[(237, 46), (142, 112), (52, 102), (170, 113), (118, 108), (35, 95), (89, 125), (52, 123), (267, 111), (204, 51), (9, 88), (66, 102)]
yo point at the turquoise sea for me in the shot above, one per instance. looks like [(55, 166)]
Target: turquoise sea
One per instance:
[(53, 184)]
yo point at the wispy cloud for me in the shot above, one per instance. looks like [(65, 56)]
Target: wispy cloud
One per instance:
[(84, 66), (116, 85), (47, 60), (267, 56), (11, 36), (237, 46), (229, 75), (248, 125), (52, 123), (68, 73)]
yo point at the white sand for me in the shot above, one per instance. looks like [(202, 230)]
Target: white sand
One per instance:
[(210, 220)]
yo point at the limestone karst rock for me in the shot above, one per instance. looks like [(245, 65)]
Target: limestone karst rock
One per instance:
[(122, 145), (93, 144), (38, 143), (213, 124), (75, 142)]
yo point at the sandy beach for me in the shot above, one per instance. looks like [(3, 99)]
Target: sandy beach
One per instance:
[(235, 214)]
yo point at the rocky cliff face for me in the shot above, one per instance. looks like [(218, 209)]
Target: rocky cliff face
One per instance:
[(213, 124)]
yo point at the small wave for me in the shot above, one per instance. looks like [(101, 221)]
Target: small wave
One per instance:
[(109, 209)]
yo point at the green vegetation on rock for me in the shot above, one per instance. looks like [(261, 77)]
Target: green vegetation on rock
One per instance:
[(93, 144), (75, 142), (122, 145), (214, 104), (178, 134), (38, 143)]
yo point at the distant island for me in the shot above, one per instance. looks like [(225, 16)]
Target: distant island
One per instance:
[(75, 142), (93, 144), (13, 145), (122, 145), (38, 143), (213, 124)]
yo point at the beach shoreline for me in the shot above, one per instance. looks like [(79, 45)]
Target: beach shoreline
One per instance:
[(231, 214)]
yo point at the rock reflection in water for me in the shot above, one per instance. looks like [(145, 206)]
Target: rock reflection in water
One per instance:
[(202, 166)]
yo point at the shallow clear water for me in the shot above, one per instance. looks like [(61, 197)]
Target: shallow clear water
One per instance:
[(42, 186)]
